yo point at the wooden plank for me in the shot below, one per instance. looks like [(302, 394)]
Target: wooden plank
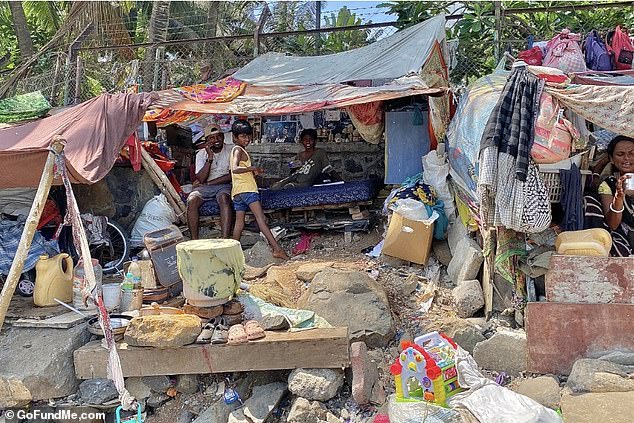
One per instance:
[(64, 321), (594, 280), (558, 334), (314, 348), (342, 206)]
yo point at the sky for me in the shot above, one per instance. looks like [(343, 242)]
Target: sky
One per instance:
[(366, 10)]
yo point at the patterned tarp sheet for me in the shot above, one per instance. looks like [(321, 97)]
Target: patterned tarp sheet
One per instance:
[(309, 196)]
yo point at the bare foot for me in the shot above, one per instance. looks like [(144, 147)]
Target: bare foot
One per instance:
[(280, 254)]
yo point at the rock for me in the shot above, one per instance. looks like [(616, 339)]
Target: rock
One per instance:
[(466, 261), (543, 389), (315, 384), (157, 383), (619, 357), (441, 251), (156, 399), (98, 391), (137, 388), (185, 416), (282, 276), (217, 412), (13, 394), (468, 298), (259, 407), (409, 285), (465, 334), (455, 233), (504, 351), (393, 261), (260, 255), (304, 411), (364, 373), (187, 384), (274, 322), (589, 375), (378, 397), (331, 418), (613, 407), (352, 299), (306, 272), (38, 363), (163, 331)]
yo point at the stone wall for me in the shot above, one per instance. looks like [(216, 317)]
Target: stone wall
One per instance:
[(353, 161), (121, 195)]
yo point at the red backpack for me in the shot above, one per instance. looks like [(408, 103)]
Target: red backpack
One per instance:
[(621, 47)]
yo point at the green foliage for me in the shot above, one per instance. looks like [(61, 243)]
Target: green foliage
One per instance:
[(337, 42)]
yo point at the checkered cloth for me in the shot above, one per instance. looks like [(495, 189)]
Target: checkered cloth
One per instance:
[(511, 125), (10, 233)]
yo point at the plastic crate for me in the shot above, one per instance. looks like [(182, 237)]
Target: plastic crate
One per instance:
[(552, 180)]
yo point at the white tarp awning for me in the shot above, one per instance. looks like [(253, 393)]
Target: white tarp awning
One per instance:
[(401, 54)]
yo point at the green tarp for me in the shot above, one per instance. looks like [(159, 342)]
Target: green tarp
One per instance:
[(23, 107)]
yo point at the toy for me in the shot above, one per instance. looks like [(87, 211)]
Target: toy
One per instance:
[(425, 370)]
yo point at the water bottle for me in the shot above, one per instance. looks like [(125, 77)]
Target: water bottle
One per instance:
[(127, 284), (135, 271)]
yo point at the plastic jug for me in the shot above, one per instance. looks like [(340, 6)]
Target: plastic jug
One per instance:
[(53, 279), (588, 242)]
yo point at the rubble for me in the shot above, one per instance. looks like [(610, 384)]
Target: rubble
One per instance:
[(465, 334), (187, 384), (260, 255), (441, 251), (466, 261), (364, 373), (217, 412), (352, 299), (505, 351), (315, 384), (543, 389), (304, 411), (156, 399), (163, 331), (137, 388), (157, 383), (589, 375), (259, 406), (274, 322), (468, 297), (455, 233), (13, 393), (98, 391), (410, 284)]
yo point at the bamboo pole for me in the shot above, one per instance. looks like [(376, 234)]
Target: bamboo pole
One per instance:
[(30, 227), (159, 178)]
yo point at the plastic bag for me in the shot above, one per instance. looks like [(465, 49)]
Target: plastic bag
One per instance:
[(435, 173), (564, 52), (157, 214), (410, 209), (554, 134), (419, 411)]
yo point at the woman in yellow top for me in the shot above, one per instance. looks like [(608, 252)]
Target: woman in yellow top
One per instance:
[(244, 190)]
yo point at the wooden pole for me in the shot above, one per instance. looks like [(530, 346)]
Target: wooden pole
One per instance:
[(488, 273), (30, 227), (159, 178)]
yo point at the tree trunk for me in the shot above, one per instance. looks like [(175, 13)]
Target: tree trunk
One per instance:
[(21, 29)]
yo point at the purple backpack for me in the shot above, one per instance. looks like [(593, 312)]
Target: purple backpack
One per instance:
[(597, 56)]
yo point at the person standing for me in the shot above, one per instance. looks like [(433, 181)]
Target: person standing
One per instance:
[(244, 190), (214, 178)]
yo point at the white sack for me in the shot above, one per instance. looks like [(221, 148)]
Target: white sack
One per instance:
[(157, 214), (435, 173)]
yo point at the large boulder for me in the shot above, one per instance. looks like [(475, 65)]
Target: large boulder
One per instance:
[(466, 261), (37, 364), (163, 331), (543, 389), (468, 298), (308, 271), (604, 407), (98, 391), (464, 333), (352, 299), (590, 375), (315, 384), (505, 351)]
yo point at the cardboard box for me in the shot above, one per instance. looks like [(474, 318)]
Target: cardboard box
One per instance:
[(408, 239)]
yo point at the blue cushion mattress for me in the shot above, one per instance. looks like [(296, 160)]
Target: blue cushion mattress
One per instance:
[(348, 192)]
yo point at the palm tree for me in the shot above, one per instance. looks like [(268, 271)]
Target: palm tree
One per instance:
[(25, 44)]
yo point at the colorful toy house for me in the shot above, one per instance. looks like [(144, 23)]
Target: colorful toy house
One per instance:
[(425, 370)]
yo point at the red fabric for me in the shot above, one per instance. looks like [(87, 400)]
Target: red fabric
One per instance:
[(50, 214), (532, 56), (134, 149), (368, 113), (303, 245), (95, 131)]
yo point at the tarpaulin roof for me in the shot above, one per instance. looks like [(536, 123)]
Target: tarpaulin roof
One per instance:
[(401, 54), (95, 132), (256, 100)]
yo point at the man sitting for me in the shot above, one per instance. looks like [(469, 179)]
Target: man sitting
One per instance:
[(310, 166), (213, 180)]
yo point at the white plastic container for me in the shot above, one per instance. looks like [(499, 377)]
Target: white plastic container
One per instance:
[(111, 295)]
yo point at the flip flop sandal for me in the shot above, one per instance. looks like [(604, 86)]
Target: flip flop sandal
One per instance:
[(220, 336), (232, 308), (237, 335), (206, 334), (254, 330)]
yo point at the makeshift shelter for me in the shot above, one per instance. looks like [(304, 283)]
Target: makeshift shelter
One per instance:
[(95, 132)]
